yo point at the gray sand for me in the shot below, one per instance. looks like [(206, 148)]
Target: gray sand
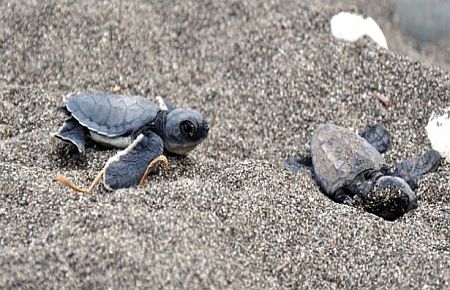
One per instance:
[(265, 75)]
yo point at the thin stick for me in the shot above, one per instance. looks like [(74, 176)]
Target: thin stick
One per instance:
[(66, 182), (158, 160), (382, 98)]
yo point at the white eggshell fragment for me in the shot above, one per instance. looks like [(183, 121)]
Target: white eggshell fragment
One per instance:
[(438, 131), (351, 27)]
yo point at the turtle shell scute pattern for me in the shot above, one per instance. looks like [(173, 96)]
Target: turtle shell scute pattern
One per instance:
[(339, 155)]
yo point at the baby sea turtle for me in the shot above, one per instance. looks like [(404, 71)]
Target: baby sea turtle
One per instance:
[(347, 165), (143, 129)]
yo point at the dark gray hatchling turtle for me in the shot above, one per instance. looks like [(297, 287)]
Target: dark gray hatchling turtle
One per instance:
[(347, 165), (133, 123)]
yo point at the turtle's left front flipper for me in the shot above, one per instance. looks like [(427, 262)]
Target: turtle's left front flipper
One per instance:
[(131, 166), (413, 168)]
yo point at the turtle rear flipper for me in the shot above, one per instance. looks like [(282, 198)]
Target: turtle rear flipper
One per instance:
[(131, 166), (73, 132), (413, 168), (377, 136)]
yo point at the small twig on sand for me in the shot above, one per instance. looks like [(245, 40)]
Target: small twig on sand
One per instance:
[(280, 267), (382, 98)]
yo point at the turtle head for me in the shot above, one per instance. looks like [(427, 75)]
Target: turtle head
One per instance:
[(391, 198), (184, 130)]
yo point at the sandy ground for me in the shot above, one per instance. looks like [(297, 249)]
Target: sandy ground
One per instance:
[(265, 74)]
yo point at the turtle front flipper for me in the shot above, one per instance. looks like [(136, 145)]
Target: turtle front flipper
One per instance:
[(131, 166), (294, 164), (378, 137), (413, 168), (73, 132), (342, 196), (164, 104)]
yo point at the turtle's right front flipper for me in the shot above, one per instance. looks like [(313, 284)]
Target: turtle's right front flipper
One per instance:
[(130, 167), (294, 164), (342, 196), (73, 132), (413, 168)]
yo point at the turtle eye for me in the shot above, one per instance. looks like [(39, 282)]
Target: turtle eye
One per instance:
[(187, 128)]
